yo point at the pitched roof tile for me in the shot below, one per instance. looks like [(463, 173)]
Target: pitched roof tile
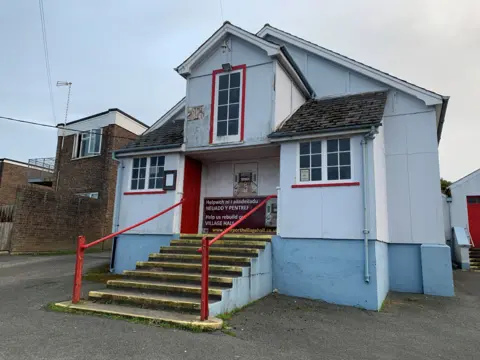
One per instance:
[(322, 115)]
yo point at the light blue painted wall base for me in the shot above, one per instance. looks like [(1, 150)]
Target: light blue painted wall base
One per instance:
[(405, 268), (130, 248), (465, 266), (255, 283), (437, 270), (331, 270)]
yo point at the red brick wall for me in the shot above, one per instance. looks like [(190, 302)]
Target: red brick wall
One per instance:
[(92, 174), (46, 220), (11, 176)]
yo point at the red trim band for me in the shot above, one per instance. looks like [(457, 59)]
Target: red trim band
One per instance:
[(144, 192), (325, 185), (212, 108)]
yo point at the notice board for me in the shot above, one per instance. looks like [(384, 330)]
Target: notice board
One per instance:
[(220, 213)]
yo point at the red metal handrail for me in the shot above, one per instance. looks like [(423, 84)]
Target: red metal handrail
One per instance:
[(205, 249), (81, 246)]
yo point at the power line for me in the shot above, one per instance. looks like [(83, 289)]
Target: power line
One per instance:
[(47, 59), (29, 122), (221, 9)]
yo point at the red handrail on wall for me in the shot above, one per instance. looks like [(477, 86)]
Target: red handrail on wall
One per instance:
[(81, 246), (205, 253)]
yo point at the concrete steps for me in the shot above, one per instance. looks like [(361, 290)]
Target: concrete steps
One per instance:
[(474, 258), (170, 279)]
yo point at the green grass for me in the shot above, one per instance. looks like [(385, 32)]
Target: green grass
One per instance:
[(134, 320), (101, 274), (59, 252)]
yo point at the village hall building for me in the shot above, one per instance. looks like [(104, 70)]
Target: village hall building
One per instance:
[(350, 152)]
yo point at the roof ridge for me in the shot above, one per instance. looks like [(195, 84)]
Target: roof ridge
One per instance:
[(347, 57)]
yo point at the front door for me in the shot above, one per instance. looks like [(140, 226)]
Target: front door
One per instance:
[(191, 193), (473, 207)]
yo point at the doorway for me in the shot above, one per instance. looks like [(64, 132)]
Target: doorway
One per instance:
[(473, 208)]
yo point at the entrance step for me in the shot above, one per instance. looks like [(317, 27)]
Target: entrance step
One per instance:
[(233, 251), (254, 244), (197, 258), (164, 287), (178, 277), (146, 300), (247, 237), (169, 317), (188, 267)]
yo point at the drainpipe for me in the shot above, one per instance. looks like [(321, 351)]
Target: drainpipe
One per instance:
[(116, 207), (366, 223)]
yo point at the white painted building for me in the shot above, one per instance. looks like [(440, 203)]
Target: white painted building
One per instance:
[(351, 152)]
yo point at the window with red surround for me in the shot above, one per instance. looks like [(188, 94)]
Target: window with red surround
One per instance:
[(296, 186), (228, 105), (144, 192)]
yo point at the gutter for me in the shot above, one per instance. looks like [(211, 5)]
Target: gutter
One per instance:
[(366, 221), (442, 117), (302, 77), (146, 148), (279, 135)]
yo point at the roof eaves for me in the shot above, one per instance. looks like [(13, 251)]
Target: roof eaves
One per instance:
[(167, 116), (428, 96), (299, 72), (104, 113), (277, 135), (464, 178), (147, 148)]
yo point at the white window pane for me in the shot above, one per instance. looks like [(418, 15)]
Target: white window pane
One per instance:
[(304, 148), (332, 159), (332, 145), (235, 80), (345, 172), (332, 173), (316, 147), (223, 82), (316, 174)]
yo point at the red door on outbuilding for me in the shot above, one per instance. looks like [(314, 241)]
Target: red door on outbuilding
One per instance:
[(473, 208)]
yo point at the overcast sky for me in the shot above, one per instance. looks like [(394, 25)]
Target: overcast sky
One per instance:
[(121, 53)]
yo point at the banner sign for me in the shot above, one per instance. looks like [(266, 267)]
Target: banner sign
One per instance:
[(220, 213)]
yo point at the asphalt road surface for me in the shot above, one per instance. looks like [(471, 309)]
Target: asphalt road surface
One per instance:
[(278, 327)]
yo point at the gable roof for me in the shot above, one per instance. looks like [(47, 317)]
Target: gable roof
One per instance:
[(427, 96), (175, 110), (273, 50), (169, 135), (359, 111), (430, 97), (465, 178)]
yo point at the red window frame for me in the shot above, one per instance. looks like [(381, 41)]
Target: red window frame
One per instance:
[(242, 67)]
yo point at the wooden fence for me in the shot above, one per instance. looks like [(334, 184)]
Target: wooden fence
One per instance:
[(6, 226)]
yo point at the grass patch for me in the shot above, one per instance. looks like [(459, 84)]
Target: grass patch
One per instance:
[(135, 320), (59, 252), (226, 317), (101, 274)]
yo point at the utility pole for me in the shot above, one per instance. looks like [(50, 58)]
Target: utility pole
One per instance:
[(69, 84)]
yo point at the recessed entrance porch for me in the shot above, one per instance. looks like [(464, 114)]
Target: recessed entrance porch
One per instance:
[(220, 186)]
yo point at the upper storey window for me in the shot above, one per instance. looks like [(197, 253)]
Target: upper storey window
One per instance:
[(228, 105), (87, 143)]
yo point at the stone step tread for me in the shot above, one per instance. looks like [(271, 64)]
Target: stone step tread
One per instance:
[(212, 249), (263, 237), (187, 265), (199, 257), (219, 243), (157, 298), (171, 317), (213, 290), (177, 275)]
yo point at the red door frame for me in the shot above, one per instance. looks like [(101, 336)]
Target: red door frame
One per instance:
[(473, 210), (192, 182)]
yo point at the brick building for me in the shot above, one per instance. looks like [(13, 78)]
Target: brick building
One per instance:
[(15, 173), (84, 164)]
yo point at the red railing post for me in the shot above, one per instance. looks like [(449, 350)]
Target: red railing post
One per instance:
[(204, 293), (77, 282)]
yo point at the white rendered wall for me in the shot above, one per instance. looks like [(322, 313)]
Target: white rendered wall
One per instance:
[(135, 208), (288, 97), (380, 187), (413, 175)]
